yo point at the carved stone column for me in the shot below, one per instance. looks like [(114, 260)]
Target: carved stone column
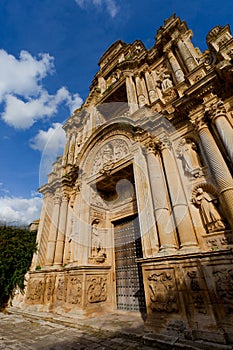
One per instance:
[(217, 165), (162, 210), (141, 91), (58, 259), (53, 232), (149, 236), (180, 208), (43, 231), (175, 66), (153, 95), (186, 55), (218, 116), (131, 93), (68, 236)]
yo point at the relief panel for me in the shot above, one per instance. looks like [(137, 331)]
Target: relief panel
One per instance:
[(74, 290), (96, 289), (163, 291)]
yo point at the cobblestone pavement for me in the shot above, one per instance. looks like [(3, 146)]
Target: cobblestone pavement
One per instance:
[(20, 332)]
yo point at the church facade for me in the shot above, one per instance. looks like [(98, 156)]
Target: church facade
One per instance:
[(138, 212)]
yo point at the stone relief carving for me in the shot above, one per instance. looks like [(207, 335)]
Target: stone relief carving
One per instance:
[(163, 294), (224, 288), (74, 291), (196, 293), (109, 154), (60, 289), (207, 204), (35, 290), (187, 151), (97, 289), (49, 288)]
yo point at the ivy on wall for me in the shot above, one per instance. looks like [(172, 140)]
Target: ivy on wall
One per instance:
[(17, 246)]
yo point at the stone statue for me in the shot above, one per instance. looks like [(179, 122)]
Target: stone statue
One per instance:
[(206, 202), (166, 82), (96, 240), (190, 158)]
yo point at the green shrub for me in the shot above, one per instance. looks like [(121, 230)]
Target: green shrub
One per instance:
[(16, 250)]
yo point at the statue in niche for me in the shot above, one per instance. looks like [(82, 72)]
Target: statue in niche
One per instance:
[(97, 245), (190, 158), (206, 202), (166, 82)]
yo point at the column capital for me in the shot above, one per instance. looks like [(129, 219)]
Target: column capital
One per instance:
[(164, 143), (215, 110)]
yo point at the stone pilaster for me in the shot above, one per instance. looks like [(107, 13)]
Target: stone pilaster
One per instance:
[(162, 210), (131, 93), (141, 91), (175, 66), (153, 95), (58, 259), (53, 232), (148, 230), (183, 221), (187, 56), (216, 163)]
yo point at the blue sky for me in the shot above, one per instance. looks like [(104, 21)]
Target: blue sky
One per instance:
[(49, 51)]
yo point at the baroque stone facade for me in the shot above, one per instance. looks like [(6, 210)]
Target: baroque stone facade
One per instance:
[(138, 212)]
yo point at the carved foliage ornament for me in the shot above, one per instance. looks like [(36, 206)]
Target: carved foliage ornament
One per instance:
[(35, 290), (74, 291), (224, 288), (97, 289), (109, 154)]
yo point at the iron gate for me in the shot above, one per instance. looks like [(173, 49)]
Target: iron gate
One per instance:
[(129, 284)]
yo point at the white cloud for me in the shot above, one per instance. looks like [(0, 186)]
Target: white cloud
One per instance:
[(110, 5), (51, 141), (23, 76), (21, 90), (19, 211)]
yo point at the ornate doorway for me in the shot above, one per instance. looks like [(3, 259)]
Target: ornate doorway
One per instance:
[(129, 283)]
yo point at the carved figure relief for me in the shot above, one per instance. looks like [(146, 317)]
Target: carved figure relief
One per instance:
[(187, 151), (207, 204), (224, 288), (74, 291), (109, 154), (162, 292), (97, 289)]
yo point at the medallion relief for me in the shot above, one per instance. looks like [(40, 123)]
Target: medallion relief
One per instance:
[(108, 155)]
